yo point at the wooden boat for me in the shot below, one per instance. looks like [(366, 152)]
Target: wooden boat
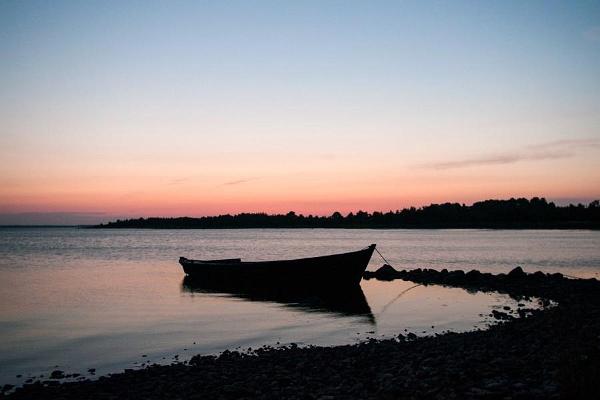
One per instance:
[(337, 269)]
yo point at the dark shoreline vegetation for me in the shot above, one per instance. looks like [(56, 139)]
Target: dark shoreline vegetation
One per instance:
[(548, 353), (536, 213)]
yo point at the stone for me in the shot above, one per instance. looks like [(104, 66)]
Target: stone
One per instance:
[(517, 273), (57, 374), (386, 272)]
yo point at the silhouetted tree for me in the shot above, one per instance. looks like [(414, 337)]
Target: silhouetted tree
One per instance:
[(512, 213)]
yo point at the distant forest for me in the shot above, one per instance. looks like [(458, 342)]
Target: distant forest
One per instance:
[(495, 214)]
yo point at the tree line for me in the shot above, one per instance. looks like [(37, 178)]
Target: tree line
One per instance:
[(501, 214)]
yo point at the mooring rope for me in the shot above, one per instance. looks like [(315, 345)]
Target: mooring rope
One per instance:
[(381, 255), (385, 307), (402, 293)]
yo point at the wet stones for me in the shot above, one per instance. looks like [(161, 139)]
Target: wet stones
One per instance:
[(502, 316), (57, 374), (384, 273), (516, 273), (473, 276), (6, 388)]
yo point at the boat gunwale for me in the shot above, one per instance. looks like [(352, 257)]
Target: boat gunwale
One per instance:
[(294, 260)]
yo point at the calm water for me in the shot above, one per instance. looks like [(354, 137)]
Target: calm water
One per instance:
[(80, 299)]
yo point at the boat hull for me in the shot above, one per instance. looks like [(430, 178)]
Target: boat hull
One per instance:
[(337, 269)]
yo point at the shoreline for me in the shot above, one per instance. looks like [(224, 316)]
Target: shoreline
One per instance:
[(549, 353), (582, 227), (377, 228)]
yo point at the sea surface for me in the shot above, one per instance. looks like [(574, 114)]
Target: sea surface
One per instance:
[(74, 299)]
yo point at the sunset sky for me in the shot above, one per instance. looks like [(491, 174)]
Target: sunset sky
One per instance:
[(119, 109)]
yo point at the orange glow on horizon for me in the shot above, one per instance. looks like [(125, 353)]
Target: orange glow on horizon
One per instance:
[(183, 201)]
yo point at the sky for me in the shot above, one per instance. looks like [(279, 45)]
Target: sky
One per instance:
[(128, 109)]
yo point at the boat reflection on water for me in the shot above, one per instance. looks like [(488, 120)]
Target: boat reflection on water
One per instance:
[(345, 301)]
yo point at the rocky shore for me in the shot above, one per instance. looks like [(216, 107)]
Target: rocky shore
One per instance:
[(550, 353)]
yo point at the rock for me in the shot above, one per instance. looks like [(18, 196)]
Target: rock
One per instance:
[(522, 313), (479, 392), (473, 275), (501, 315), (539, 275), (57, 374), (386, 272), (7, 387), (516, 273), (457, 274)]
